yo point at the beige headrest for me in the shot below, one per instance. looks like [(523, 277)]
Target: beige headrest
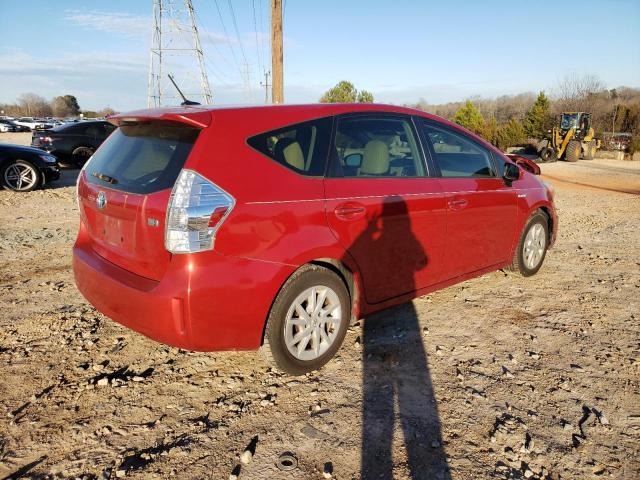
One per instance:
[(375, 160), (293, 155)]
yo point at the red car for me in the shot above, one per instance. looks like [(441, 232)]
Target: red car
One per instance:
[(239, 228)]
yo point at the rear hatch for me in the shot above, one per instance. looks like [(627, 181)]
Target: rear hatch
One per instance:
[(124, 189)]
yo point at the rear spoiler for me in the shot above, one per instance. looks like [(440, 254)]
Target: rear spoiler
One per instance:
[(526, 163), (195, 117)]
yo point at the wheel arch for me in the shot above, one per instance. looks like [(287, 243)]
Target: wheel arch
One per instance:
[(350, 280), (547, 213)]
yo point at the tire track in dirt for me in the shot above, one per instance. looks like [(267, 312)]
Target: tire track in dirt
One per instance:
[(589, 185)]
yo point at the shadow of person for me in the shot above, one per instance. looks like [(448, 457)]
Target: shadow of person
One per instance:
[(395, 363)]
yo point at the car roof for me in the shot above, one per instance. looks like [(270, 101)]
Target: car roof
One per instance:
[(200, 115), (270, 116)]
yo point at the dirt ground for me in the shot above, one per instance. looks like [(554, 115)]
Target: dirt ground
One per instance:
[(498, 377)]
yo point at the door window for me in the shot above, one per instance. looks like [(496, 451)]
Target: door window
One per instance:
[(457, 155), (376, 146)]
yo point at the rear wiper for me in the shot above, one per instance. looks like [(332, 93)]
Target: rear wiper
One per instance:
[(105, 178)]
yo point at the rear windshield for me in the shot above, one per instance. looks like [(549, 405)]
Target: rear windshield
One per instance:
[(142, 158)]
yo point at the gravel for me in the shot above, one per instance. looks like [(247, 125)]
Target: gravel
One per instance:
[(534, 378)]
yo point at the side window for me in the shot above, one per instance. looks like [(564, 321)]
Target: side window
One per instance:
[(377, 146), (108, 129), (75, 129), (92, 131), (458, 156), (302, 147)]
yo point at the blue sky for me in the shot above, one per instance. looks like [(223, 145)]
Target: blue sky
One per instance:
[(399, 50)]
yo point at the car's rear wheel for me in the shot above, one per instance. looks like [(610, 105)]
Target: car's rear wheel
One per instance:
[(20, 176), (308, 320), (81, 154), (532, 247)]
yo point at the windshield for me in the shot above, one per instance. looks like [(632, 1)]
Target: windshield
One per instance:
[(569, 120), (142, 158)]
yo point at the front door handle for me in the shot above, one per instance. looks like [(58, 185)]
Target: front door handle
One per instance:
[(350, 211), (457, 204)]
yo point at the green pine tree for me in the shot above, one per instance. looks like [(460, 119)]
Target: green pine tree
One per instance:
[(538, 119), (510, 134), (346, 92), (470, 118)]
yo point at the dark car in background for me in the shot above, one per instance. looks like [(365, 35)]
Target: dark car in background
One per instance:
[(23, 169), (73, 142)]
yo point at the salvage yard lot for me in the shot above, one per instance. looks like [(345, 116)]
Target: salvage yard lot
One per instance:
[(534, 377)]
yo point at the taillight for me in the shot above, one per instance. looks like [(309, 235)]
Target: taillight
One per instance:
[(46, 139), (196, 210)]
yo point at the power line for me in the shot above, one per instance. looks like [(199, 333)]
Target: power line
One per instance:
[(235, 24), (226, 34), (266, 53), (212, 40), (255, 27)]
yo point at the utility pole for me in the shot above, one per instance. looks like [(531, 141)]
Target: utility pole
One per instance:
[(266, 86), (277, 95), (175, 44)]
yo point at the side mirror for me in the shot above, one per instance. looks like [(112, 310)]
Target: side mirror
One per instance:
[(511, 173)]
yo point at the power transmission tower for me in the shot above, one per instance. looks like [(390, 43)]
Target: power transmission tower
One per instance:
[(277, 95), (176, 49)]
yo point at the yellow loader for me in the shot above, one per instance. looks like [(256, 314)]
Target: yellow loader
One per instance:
[(571, 140)]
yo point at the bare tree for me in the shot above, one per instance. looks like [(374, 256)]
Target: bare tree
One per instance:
[(578, 93), (33, 105)]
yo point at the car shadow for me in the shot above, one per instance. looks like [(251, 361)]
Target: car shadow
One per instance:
[(68, 178), (397, 387)]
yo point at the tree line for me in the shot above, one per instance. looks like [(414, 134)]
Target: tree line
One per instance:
[(525, 118), (33, 105)]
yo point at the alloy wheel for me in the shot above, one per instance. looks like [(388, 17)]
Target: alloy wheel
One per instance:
[(312, 322), (20, 177), (534, 246)]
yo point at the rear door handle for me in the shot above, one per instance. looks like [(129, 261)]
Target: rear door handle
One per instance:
[(457, 204), (350, 211)]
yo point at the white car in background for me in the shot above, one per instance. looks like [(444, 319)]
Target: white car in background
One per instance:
[(33, 123)]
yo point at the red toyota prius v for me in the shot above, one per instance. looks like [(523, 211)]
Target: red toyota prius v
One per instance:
[(273, 227)]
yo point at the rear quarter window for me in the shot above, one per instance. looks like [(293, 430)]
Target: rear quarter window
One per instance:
[(142, 158), (302, 147)]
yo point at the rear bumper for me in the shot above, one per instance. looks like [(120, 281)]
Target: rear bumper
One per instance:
[(204, 302)]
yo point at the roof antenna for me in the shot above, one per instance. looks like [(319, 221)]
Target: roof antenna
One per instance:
[(185, 101)]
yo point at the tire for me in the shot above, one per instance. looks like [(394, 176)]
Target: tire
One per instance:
[(532, 247), (285, 322), (20, 176), (574, 149), (548, 154), (80, 155)]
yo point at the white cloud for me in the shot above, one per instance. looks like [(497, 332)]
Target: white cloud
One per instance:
[(120, 23), (78, 65), (97, 79)]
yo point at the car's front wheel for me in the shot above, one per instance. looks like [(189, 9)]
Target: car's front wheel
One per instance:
[(20, 176), (532, 247), (308, 320)]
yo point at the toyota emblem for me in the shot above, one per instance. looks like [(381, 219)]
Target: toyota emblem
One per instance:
[(101, 200)]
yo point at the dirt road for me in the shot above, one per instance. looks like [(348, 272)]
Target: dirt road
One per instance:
[(499, 377)]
